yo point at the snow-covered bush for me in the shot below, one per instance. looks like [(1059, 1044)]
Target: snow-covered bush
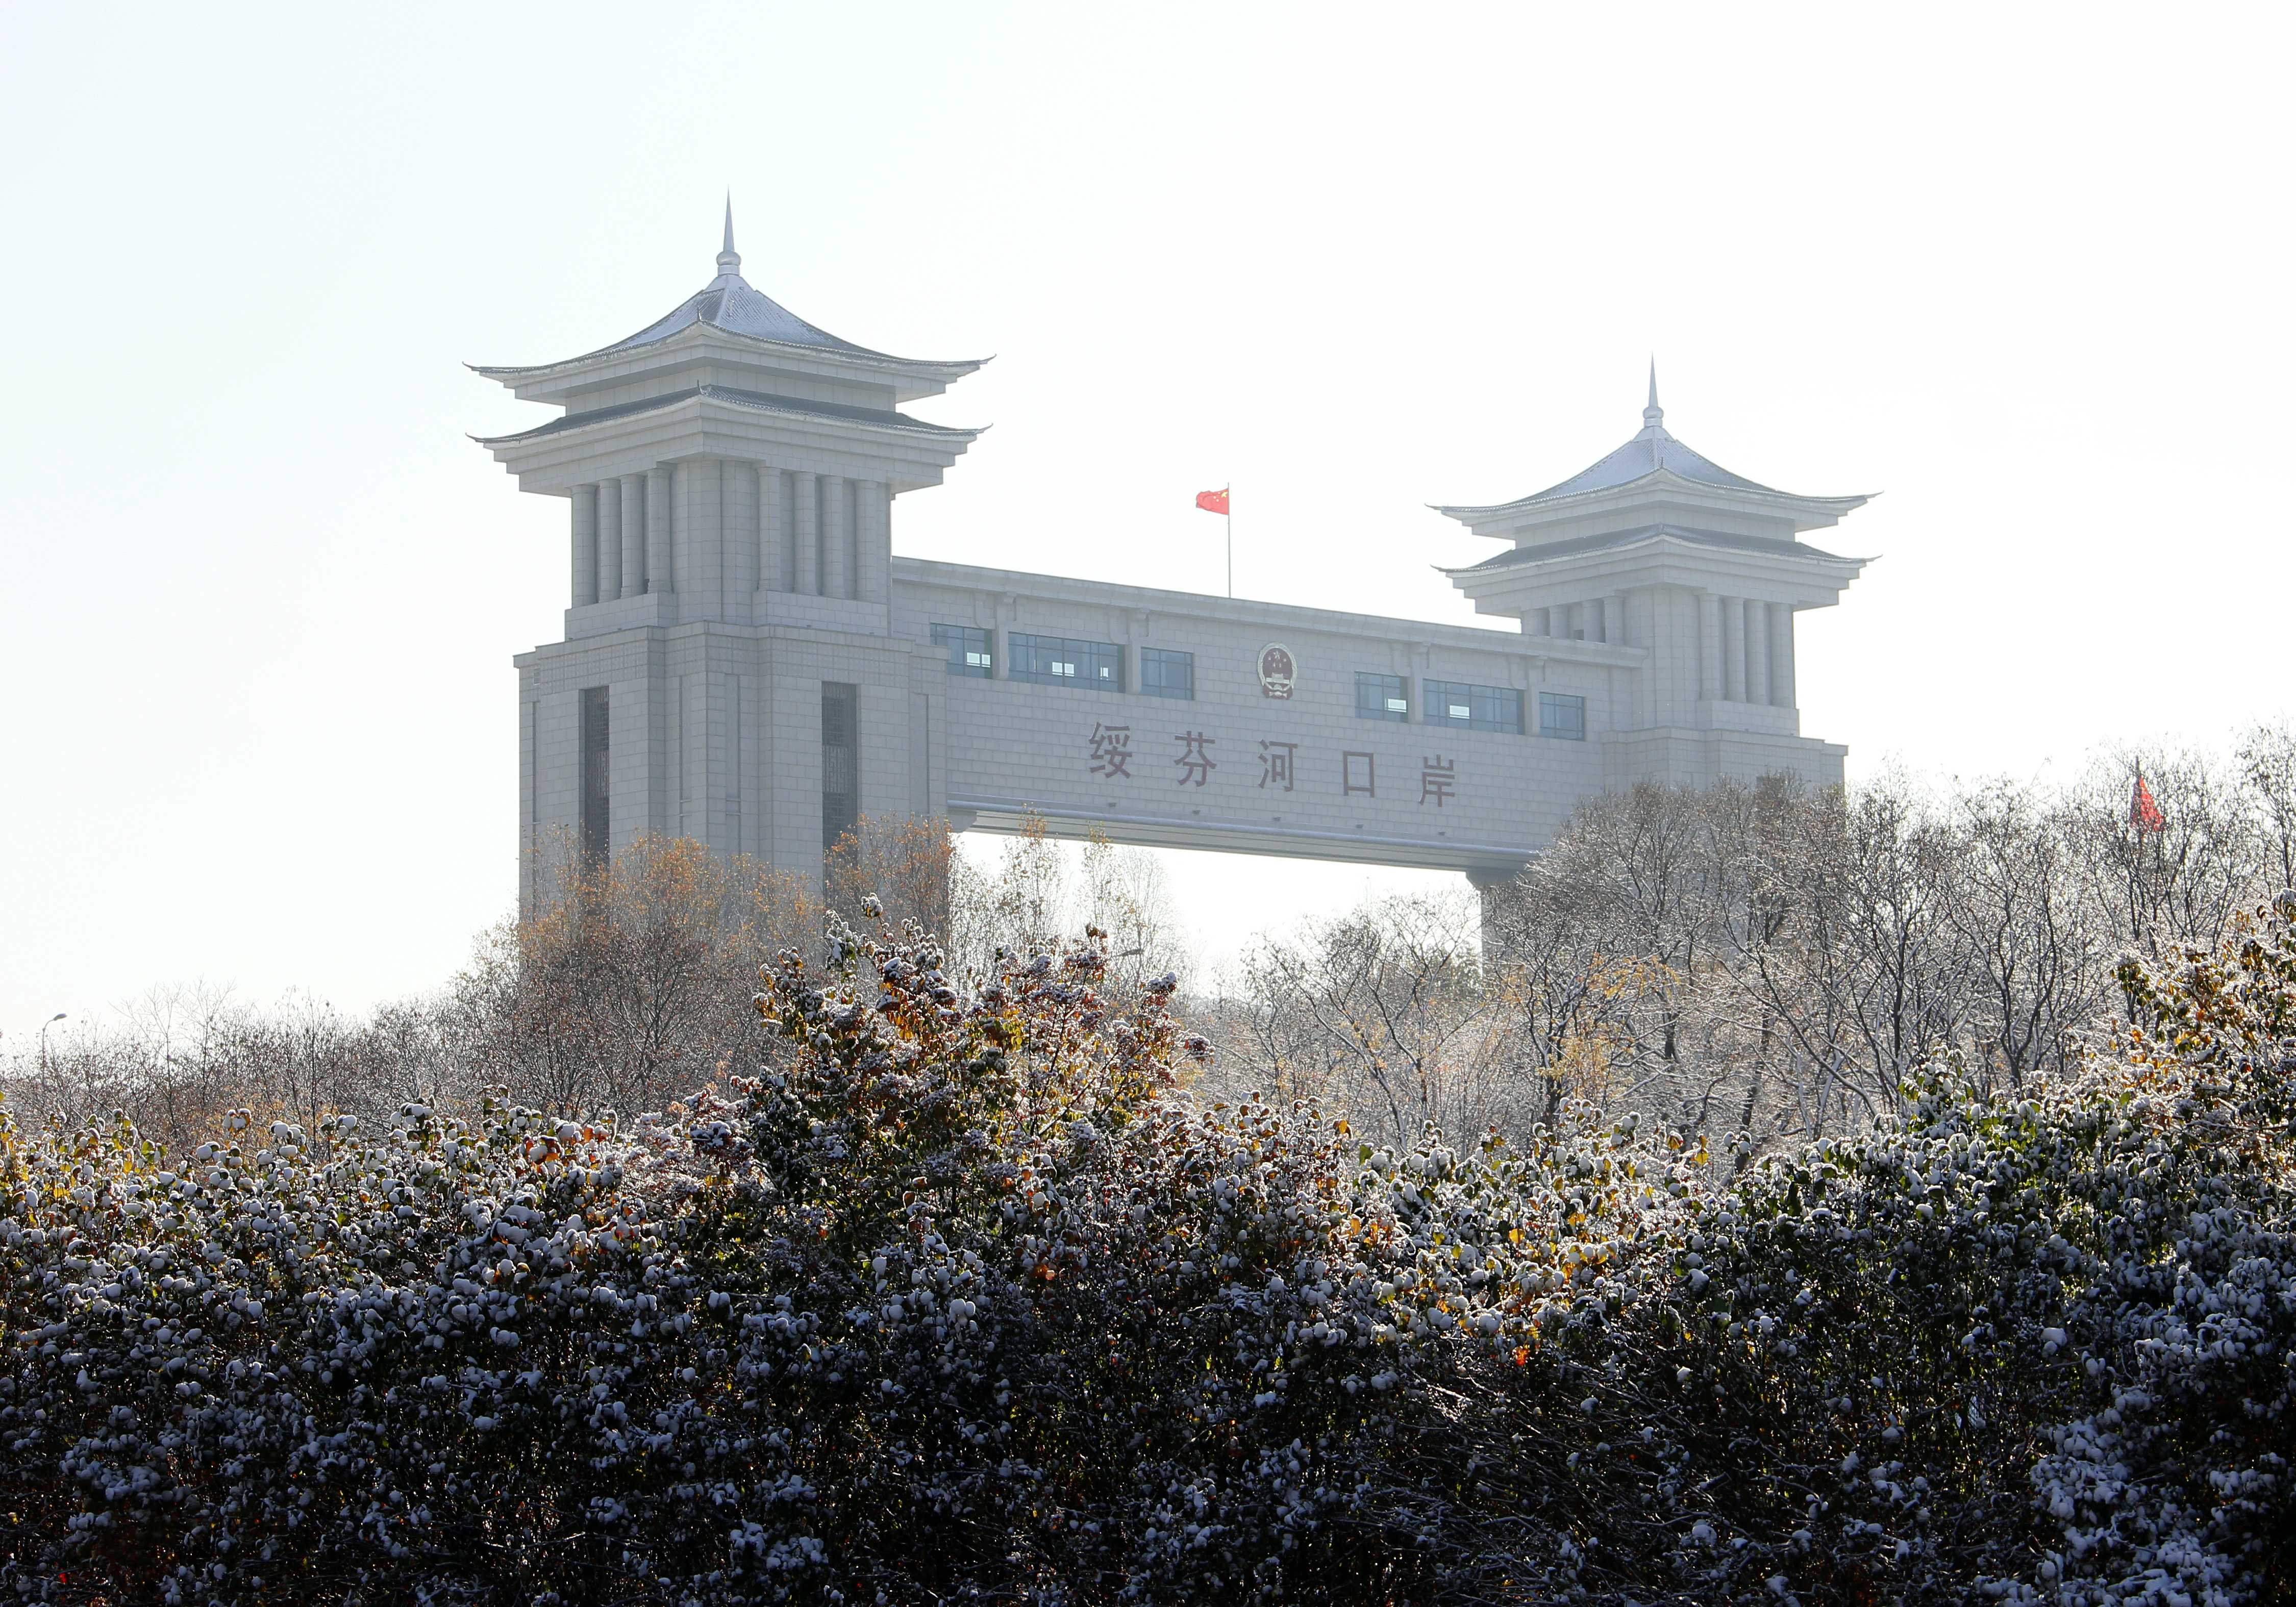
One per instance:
[(2036, 1349), (970, 1299)]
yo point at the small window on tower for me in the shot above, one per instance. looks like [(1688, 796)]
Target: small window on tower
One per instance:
[(596, 822), (841, 761)]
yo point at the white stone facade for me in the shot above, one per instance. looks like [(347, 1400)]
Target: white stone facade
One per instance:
[(731, 474)]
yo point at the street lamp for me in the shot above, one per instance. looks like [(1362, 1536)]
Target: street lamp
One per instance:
[(51, 1021)]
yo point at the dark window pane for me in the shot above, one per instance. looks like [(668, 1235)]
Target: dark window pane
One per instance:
[(1474, 708), (1065, 661), (1563, 715), (596, 822), (1166, 674), (969, 649), (841, 760), (1382, 697)]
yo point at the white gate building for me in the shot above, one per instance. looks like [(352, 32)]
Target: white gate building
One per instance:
[(747, 663)]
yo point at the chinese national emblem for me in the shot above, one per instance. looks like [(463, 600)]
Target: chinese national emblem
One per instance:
[(1276, 670)]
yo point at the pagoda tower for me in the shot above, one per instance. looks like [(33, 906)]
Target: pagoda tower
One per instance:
[(1657, 547), (730, 472)]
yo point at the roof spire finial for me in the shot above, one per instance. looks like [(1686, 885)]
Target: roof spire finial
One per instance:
[(1653, 416), (729, 260)]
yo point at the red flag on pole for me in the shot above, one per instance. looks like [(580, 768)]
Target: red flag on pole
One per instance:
[(1213, 502), (2144, 814)]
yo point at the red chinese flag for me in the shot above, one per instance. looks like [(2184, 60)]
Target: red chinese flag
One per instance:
[(1213, 502), (2144, 814)]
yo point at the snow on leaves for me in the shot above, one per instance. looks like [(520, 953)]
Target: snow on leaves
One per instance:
[(968, 1294)]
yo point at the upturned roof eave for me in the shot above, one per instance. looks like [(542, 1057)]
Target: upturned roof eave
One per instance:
[(699, 331), (1826, 562), (1809, 557), (1541, 504), (556, 430)]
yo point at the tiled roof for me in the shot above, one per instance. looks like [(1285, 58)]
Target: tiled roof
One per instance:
[(730, 303), (1651, 450)]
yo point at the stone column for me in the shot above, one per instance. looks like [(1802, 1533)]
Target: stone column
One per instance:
[(808, 533), (1709, 645), (786, 530), (765, 488), (1781, 655), (836, 535), (634, 535), (737, 532), (1734, 649), (875, 522), (1646, 635), (1758, 652), (586, 544), (659, 578), (610, 540), (777, 568)]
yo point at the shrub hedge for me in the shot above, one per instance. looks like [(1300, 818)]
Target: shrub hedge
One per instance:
[(971, 1301)]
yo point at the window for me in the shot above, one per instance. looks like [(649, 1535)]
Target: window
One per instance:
[(595, 823), (1562, 715), (969, 651), (1166, 674), (1475, 708), (1382, 697), (1065, 662), (841, 760)]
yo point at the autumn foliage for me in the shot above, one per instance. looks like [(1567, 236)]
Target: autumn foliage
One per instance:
[(957, 1291)]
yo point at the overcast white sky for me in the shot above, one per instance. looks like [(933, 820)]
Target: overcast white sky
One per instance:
[(2022, 270)]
